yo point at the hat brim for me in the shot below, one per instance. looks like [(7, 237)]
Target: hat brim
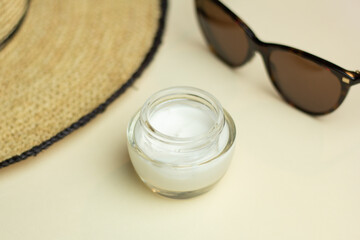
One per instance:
[(9, 158)]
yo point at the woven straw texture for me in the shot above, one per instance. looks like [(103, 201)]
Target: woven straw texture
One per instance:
[(67, 58), (11, 11)]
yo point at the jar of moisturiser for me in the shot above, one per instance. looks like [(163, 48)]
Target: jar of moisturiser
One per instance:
[(181, 142)]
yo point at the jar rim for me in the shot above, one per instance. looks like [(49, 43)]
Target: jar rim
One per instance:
[(230, 143), (183, 92)]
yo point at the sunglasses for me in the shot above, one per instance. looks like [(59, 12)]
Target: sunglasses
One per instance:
[(305, 81)]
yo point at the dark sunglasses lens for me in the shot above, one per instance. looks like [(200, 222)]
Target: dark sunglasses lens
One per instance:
[(306, 84), (224, 35)]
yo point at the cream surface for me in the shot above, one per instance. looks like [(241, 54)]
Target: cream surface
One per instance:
[(182, 118)]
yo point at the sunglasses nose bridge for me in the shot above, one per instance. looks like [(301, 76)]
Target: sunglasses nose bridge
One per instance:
[(261, 48)]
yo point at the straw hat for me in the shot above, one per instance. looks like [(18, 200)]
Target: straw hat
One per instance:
[(65, 63)]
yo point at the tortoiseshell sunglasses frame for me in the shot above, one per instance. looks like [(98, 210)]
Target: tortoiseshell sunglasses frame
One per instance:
[(345, 77)]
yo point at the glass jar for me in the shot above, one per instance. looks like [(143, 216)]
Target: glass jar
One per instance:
[(181, 142)]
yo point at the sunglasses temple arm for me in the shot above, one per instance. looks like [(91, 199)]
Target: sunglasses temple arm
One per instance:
[(352, 78), (357, 77)]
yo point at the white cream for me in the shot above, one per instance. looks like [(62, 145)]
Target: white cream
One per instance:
[(182, 118), (181, 144)]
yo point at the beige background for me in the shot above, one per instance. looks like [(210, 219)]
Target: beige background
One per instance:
[(292, 177)]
